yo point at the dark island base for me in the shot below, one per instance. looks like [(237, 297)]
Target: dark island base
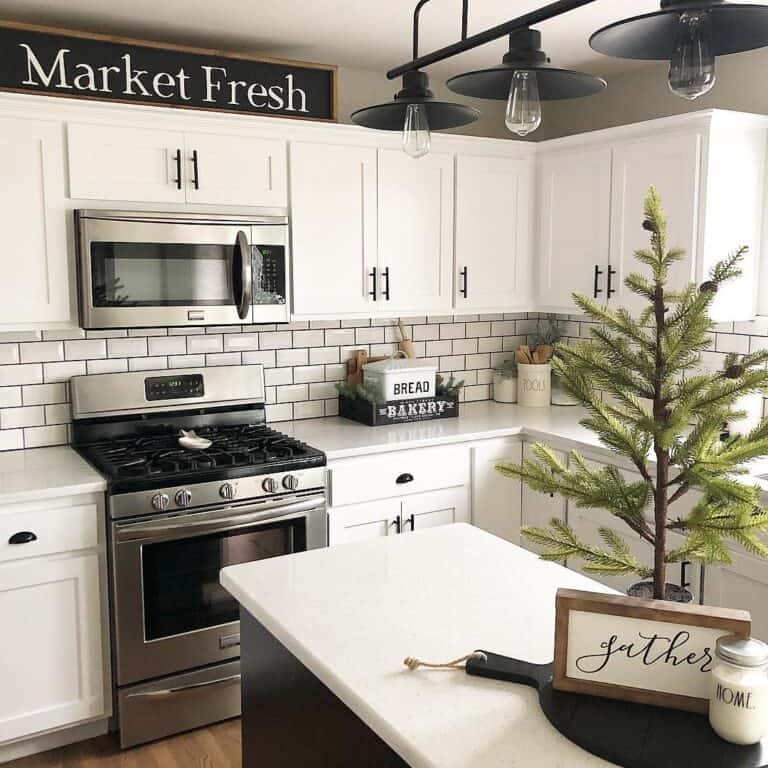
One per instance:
[(292, 720), (627, 734)]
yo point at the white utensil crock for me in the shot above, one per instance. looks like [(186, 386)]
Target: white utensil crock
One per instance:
[(534, 385)]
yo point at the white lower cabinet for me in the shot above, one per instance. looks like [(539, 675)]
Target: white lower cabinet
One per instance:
[(430, 510), (51, 660), (54, 646), (496, 501), (539, 508)]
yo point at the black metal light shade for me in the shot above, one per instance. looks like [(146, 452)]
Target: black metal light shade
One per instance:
[(525, 54), (391, 116), (735, 27)]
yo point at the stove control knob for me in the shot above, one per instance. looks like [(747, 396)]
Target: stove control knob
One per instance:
[(227, 491), (183, 497), (270, 485), (160, 501), (291, 482)]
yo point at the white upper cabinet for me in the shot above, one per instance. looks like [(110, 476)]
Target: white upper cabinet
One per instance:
[(574, 225), (671, 163), (235, 170), (415, 233), (709, 169), (114, 162), (132, 164), (36, 278), (333, 190), (493, 216)]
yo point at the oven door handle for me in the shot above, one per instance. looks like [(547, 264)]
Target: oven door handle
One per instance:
[(166, 692), (210, 522), (242, 275)]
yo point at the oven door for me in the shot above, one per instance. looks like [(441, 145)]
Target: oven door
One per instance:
[(170, 612), (160, 272)]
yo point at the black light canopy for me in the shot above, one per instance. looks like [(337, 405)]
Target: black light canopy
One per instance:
[(391, 116), (735, 27), (525, 54)]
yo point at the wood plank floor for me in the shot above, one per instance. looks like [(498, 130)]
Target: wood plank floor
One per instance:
[(217, 746)]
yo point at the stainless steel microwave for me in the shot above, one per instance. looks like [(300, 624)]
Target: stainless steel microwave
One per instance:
[(147, 269)]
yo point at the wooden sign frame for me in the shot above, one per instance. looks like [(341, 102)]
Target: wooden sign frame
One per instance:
[(635, 647), (175, 56)]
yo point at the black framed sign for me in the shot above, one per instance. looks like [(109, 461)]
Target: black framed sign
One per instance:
[(73, 64)]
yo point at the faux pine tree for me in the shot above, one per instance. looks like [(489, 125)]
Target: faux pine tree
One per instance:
[(647, 400)]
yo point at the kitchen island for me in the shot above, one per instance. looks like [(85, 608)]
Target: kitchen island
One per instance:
[(324, 635)]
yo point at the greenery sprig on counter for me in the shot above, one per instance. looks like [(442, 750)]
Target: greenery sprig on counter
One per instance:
[(451, 388)]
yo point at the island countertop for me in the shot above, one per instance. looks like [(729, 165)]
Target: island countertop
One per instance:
[(352, 613)]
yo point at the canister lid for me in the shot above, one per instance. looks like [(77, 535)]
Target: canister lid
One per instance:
[(396, 365), (743, 652)]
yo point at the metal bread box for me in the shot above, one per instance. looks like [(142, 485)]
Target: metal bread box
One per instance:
[(401, 379)]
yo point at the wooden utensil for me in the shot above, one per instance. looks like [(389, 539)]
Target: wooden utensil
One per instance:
[(406, 345), (355, 367)]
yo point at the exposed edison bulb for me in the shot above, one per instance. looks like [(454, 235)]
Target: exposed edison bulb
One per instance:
[(523, 107), (416, 137), (692, 67)]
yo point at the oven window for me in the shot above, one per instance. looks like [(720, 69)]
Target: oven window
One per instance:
[(181, 578), (161, 274)]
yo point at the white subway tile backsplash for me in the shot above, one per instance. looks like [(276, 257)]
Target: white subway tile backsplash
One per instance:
[(113, 365), (292, 393), (464, 346), (504, 328), (332, 407), (369, 335), (10, 397), (309, 338), (263, 357), (474, 362), (13, 337), (147, 363), (240, 342), (289, 357), (340, 337), (30, 373), (453, 331), (111, 334), (58, 414), (476, 330), (318, 355), (322, 391), (383, 350), (87, 349), (16, 418), (149, 331), (162, 346), (186, 361), (452, 363), (53, 372), (439, 348), (43, 394), (276, 376), (63, 335), (224, 358), (491, 344), (426, 332), (276, 340), (336, 372), (11, 439), (9, 354), (478, 392), (315, 324), (359, 323), (41, 352), (38, 437), (313, 409), (279, 412), (306, 374), (200, 345), (728, 342), (191, 331)]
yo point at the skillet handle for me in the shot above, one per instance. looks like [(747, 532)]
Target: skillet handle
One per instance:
[(496, 667)]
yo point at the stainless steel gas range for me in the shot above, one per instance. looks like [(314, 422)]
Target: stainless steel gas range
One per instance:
[(196, 482)]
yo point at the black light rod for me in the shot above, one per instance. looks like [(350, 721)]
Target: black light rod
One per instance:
[(494, 33)]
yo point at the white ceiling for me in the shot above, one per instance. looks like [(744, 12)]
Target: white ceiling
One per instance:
[(355, 33)]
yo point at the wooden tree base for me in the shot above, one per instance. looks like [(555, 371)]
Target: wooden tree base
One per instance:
[(630, 735)]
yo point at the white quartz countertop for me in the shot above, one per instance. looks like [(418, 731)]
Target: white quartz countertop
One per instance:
[(341, 438), (352, 613), (44, 473)]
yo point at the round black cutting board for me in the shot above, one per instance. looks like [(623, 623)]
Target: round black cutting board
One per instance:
[(630, 735)]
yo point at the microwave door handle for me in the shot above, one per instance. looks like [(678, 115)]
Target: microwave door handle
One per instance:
[(245, 276)]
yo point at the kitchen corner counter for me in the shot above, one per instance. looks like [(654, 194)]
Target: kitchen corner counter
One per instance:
[(45, 473), (341, 438), (352, 613)]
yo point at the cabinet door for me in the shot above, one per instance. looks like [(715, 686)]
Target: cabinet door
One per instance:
[(334, 233), (36, 281), (744, 585), (359, 522), (539, 508), (111, 162), (574, 225), (415, 232), (235, 170), (429, 510), (495, 498), (493, 212), (51, 645), (671, 163)]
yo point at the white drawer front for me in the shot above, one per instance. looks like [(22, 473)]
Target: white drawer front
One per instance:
[(57, 529), (398, 474)]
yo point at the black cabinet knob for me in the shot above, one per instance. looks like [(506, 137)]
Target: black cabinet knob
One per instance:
[(22, 537), (406, 477)]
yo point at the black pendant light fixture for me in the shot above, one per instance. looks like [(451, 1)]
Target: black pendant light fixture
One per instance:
[(415, 111), (690, 35), (524, 79)]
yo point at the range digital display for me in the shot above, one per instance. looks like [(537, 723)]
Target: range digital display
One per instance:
[(174, 387)]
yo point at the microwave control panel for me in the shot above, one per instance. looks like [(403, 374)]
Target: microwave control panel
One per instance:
[(174, 387)]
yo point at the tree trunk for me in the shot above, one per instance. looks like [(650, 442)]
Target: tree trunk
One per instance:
[(661, 506)]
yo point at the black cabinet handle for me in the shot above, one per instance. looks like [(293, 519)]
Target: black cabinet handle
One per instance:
[(22, 537), (412, 522), (465, 282), (398, 523), (611, 289), (406, 477), (177, 159), (684, 583), (385, 275), (598, 289), (195, 170), (374, 292)]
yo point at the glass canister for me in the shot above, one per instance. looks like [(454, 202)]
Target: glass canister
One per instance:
[(505, 384), (738, 704)]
